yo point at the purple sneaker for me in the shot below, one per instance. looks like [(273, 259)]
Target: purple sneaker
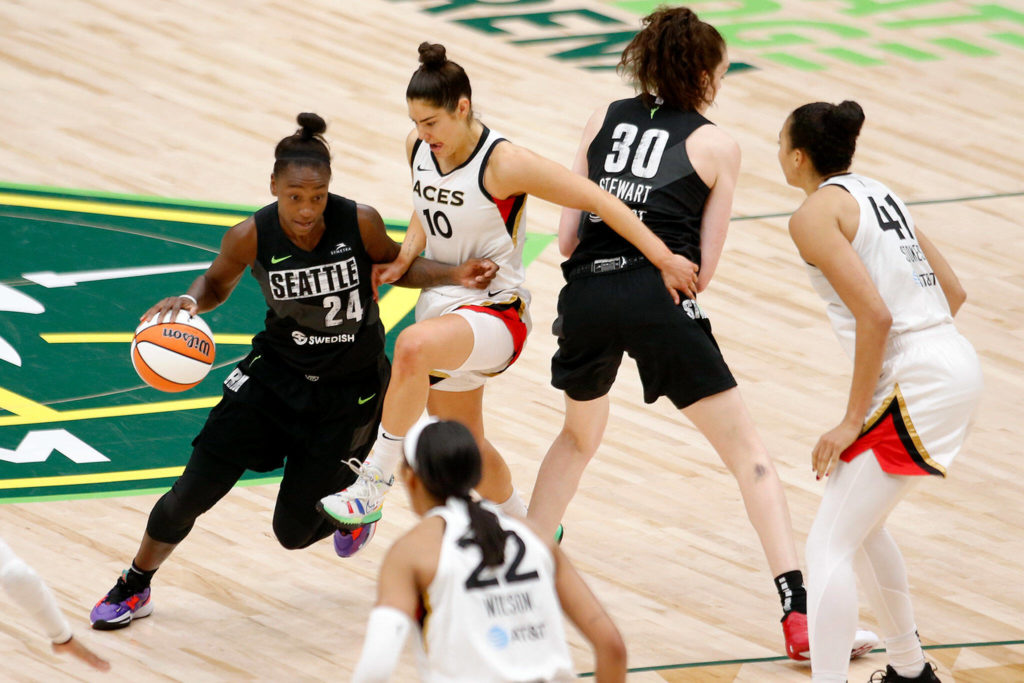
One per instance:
[(119, 606), (348, 543)]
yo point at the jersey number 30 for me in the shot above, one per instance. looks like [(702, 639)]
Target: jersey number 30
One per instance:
[(512, 573), (648, 154)]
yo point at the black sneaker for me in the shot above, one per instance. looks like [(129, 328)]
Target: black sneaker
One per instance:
[(890, 676)]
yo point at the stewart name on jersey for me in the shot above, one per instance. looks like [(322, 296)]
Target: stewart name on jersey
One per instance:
[(639, 155), (322, 320)]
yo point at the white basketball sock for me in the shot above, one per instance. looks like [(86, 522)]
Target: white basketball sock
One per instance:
[(386, 453), (905, 654), (514, 506)]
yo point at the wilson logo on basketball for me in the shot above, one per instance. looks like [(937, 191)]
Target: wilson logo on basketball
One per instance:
[(191, 341), (174, 355)]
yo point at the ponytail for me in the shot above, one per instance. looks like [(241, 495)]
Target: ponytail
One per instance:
[(447, 460)]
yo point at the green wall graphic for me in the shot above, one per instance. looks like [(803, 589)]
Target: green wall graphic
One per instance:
[(846, 33), (77, 271)]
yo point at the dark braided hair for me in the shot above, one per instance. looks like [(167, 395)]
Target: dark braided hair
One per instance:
[(306, 147), (449, 465), (438, 80), (671, 56), (828, 133)]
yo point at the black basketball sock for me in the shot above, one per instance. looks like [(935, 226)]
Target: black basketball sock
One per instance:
[(792, 592), (138, 579)]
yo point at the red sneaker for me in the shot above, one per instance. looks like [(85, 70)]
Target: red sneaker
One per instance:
[(798, 644)]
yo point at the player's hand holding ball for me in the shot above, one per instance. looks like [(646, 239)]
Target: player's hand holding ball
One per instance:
[(173, 348)]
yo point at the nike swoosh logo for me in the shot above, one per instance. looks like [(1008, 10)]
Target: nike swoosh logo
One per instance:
[(364, 400), (275, 259), (490, 293), (420, 168)]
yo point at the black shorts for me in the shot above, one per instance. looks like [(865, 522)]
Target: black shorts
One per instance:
[(271, 416), (602, 316)]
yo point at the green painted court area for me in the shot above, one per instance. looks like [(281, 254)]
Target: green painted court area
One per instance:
[(78, 270)]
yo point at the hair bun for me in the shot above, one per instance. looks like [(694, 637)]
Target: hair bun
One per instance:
[(846, 117), (432, 55), (311, 125)]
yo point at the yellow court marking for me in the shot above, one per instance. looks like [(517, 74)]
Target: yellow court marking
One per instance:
[(126, 210), (99, 478), (23, 407), (396, 304), (32, 418)]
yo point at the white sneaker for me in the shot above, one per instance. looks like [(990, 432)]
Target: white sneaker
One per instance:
[(863, 643), (360, 503)]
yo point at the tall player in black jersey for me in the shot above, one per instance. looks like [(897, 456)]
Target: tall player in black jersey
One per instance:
[(310, 393), (677, 171)]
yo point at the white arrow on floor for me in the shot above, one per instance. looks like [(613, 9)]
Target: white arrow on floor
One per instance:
[(50, 279)]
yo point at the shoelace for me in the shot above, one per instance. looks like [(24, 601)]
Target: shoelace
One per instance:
[(365, 472), (120, 592)]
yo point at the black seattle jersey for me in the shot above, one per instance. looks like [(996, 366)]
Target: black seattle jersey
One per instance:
[(321, 318), (639, 155)]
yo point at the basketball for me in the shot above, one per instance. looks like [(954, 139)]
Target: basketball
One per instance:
[(174, 355)]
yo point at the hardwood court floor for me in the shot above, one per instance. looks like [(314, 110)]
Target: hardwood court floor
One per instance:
[(186, 99)]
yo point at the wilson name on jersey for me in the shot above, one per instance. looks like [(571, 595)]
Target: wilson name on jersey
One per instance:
[(320, 307), (493, 623)]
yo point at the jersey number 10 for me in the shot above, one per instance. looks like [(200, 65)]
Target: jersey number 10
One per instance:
[(439, 224)]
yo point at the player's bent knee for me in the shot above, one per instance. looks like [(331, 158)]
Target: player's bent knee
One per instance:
[(171, 520), (293, 536), (411, 348)]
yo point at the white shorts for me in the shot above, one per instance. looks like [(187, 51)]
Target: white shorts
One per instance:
[(493, 348), (923, 404)]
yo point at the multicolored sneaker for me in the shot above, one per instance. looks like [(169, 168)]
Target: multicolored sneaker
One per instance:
[(360, 503), (890, 676), (348, 543), (120, 606)]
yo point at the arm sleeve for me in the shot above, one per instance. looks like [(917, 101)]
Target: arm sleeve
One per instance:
[(26, 589), (386, 632)]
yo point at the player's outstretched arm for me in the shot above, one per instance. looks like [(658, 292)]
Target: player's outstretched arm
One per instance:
[(212, 288)]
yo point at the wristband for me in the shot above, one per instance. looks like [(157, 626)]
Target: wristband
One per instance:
[(189, 297)]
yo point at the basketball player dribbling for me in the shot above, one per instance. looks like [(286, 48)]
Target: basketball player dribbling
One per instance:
[(482, 590), (310, 393), (469, 189), (891, 298)]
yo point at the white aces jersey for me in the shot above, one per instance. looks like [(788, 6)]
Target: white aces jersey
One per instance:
[(463, 221), (492, 624), (887, 245)]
